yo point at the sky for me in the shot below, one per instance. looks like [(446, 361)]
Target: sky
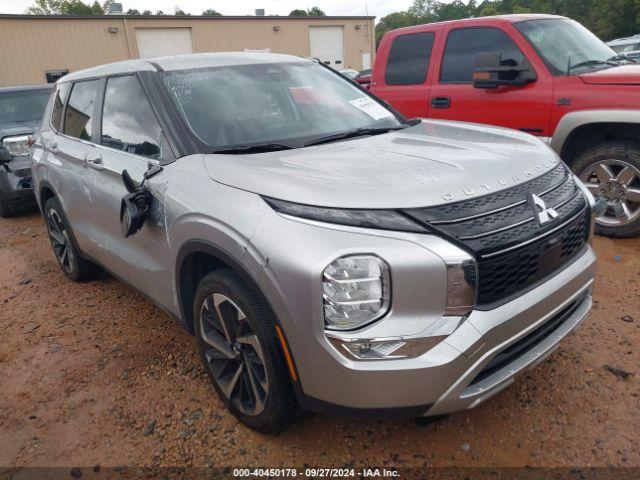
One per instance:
[(378, 8)]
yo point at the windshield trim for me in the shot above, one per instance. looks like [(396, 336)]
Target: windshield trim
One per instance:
[(202, 147), (553, 70)]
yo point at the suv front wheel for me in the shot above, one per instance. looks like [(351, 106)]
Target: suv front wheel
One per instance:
[(612, 171), (238, 345)]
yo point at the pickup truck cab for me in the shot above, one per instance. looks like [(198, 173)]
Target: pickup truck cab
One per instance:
[(541, 74)]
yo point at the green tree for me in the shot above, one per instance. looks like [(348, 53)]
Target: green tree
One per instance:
[(133, 11), (210, 12), (64, 7), (159, 12), (312, 12), (147, 12), (393, 21), (179, 12)]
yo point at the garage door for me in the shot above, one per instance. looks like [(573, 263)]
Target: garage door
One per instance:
[(327, 45), (159, 42)]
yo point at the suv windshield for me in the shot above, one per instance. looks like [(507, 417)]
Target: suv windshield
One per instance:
[(566, 46), (282, 105), (25, 106)]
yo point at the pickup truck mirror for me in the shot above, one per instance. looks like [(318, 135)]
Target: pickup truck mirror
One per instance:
[(492, 72)]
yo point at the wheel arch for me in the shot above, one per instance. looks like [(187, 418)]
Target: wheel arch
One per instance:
[(197, 258), (45, 192), (580, 131)]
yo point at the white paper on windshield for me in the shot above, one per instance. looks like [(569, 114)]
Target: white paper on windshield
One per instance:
[(371, 108)]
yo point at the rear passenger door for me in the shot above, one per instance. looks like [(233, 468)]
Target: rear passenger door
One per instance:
[(130, 138), (405, 81), (453, 96), (71, 148)]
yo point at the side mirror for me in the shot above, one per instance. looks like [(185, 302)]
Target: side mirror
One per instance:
[(134, 207), (492, 72)]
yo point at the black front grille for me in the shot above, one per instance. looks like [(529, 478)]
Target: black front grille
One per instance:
[(512, 249)]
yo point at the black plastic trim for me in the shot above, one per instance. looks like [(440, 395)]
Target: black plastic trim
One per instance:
[(351, 413)]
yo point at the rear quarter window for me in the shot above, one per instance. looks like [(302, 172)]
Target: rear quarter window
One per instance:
[(59, 99), (408, 61)]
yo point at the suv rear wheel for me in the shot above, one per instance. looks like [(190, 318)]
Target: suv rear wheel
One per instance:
[(612, 171), (238, 345), (64, 247)]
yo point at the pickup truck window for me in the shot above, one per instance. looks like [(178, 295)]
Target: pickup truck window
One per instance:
[(464, 44), (408, 61), (563, 43)]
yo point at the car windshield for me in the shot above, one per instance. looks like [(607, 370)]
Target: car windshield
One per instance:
[(280, 104), (25, 106), (566, 46)]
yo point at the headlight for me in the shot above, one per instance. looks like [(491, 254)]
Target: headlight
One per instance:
[(19, 145), (356, 291), (380, 219)]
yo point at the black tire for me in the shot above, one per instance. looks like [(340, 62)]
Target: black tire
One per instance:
[(615, 155), (72, 263), (278, 403)]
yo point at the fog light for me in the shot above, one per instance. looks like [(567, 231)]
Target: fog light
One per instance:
[(356, 291), (383, 348)]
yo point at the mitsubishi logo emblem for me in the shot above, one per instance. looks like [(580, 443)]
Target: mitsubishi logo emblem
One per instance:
[(543, 214)]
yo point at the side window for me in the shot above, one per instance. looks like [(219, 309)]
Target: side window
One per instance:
[(409, 59), (78, 117), (128, 122), (465, 43), (62, 91)]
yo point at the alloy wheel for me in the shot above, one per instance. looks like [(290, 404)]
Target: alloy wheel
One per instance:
[(234, 354), (60, 240), (618, 182)]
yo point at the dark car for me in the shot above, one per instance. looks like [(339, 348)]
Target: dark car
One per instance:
[(364, 78), (21, 110)]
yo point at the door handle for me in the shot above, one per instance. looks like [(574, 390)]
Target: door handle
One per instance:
[(441, 102), (96, 163)]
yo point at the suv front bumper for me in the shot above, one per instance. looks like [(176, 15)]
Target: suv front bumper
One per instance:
[(453, 375), (16, 186)]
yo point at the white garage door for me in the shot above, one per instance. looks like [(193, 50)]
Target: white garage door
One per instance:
[(159, 42), (327, 45)]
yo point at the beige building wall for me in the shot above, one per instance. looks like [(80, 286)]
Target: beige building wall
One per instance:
[(30, 46)]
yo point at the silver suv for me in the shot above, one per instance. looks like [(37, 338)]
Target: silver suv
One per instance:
[(326, 252)]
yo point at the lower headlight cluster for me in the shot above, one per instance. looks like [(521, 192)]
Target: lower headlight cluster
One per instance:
[(356, 291)]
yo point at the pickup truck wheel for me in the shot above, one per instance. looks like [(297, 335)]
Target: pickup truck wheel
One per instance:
[(612, 171), (238, 345), (64, 247)]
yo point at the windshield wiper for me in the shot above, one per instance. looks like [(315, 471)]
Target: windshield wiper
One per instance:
[(258, 148), (589, 63), (620, 57), (358, 132)]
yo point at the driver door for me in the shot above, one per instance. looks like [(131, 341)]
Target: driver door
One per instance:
[(131, 139), (453, 96)]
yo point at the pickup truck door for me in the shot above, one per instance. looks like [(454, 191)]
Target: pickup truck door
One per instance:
[(453, 96), (403, 72)]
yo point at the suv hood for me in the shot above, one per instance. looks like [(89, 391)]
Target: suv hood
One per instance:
[(622, 75), (431, 163)]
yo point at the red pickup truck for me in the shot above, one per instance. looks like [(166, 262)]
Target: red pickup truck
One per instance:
[(542, 74)]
